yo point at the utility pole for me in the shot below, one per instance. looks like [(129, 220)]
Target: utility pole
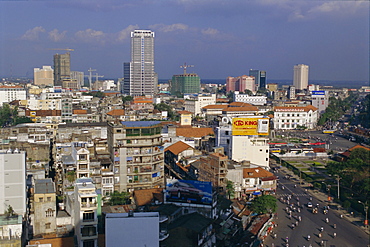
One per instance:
[(366, 208), (338, 178)]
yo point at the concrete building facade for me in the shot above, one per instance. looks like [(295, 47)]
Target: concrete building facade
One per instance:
[(10, 93), (13, 181), (300, 76), (62, 68), (260, 77), (44, 207), (139, 76), (44, 76), (137, 154), (185, 83)]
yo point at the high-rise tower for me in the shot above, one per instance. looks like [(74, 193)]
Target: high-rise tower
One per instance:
[(62, 68), (260, 77), (300, 77), (139, 76)]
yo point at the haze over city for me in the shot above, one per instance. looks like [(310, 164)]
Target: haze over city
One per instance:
[(220, 38)]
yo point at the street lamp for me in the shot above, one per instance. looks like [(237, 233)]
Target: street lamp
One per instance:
[(366, 208), (338, 178)]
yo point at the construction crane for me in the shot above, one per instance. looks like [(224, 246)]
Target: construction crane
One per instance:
[(97, 76), (184, 66), (90, 77)]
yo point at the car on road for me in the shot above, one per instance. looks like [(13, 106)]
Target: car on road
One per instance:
[(309, 205)]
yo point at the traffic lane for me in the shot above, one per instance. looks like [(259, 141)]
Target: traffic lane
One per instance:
[(347, 233)]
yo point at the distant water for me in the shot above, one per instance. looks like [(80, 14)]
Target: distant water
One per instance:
[(338, 84)]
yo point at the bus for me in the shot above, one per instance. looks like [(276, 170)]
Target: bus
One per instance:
[(328, 131)]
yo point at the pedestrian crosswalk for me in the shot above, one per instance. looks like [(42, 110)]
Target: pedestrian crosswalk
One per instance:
[(302, 194)]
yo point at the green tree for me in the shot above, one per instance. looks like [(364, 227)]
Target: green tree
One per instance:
[(119, 198), (9, 211), (71, 176), (127, 99), (264, 204), (230, 189), (97, 94), (165, 107)]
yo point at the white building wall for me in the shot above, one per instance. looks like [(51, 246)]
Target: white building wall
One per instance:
[(253, 149), (10, 93), (13, 181), (254, 100), (291, 119)]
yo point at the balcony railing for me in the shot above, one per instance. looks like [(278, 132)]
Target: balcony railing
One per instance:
[(88, 204)]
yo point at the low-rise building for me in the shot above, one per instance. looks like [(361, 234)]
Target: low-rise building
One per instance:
[(294, 117)]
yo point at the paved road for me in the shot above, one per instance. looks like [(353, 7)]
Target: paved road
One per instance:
[(347, 233)]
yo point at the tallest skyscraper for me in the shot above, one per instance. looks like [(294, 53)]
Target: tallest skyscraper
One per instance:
[(139, 76)]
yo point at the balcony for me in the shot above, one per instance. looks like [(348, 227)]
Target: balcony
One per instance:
[(88, 204), (163, 234)]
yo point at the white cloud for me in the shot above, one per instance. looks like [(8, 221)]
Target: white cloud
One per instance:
[(55, 36), (343, 7), (90, 35), (210, 31), (126, 33), (33, 34), (170, 28)]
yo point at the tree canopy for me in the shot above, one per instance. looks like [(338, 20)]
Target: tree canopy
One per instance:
[(264, 204), (119, 198), (354, 173), (9, 117)]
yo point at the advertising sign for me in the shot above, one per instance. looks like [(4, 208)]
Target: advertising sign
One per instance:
[(189, 191), (250, 126)]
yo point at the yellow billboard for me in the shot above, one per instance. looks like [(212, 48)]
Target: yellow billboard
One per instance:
[(250, 126)]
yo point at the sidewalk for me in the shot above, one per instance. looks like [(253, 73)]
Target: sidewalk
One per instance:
[(355, 218)]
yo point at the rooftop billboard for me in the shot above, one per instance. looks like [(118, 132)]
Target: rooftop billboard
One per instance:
[(189, 191), (250, 126)]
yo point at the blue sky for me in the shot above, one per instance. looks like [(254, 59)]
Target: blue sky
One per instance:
[(219, 37)]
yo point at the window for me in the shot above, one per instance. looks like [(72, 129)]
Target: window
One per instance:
[(88, 231), (89, 243), (47, 225), (48, 199), (88, 216), (41, 199), (49, 212)]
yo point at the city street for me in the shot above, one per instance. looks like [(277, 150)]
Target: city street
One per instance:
[(347, 234)]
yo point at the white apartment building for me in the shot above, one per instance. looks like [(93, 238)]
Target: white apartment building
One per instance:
[(300, 76), (85, 213), (34, 103), (10, 93), (253, 100), (320, 100), (292, 117), (195, 104), (13, 181), (82, 157), (254, 149), (44, 76)]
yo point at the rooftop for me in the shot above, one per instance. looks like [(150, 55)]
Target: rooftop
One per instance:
[(44, 186), (138, 124)]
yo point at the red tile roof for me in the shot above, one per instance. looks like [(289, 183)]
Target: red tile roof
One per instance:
[(194, 132), (178, 147), (298, 108), (256, 173), (116, 112), (144, 197), (184, 112), (79, 112)]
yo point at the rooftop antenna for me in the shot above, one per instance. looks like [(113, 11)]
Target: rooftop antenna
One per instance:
[(184, 66)]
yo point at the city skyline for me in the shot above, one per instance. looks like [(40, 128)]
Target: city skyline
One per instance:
[(219, 38)]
